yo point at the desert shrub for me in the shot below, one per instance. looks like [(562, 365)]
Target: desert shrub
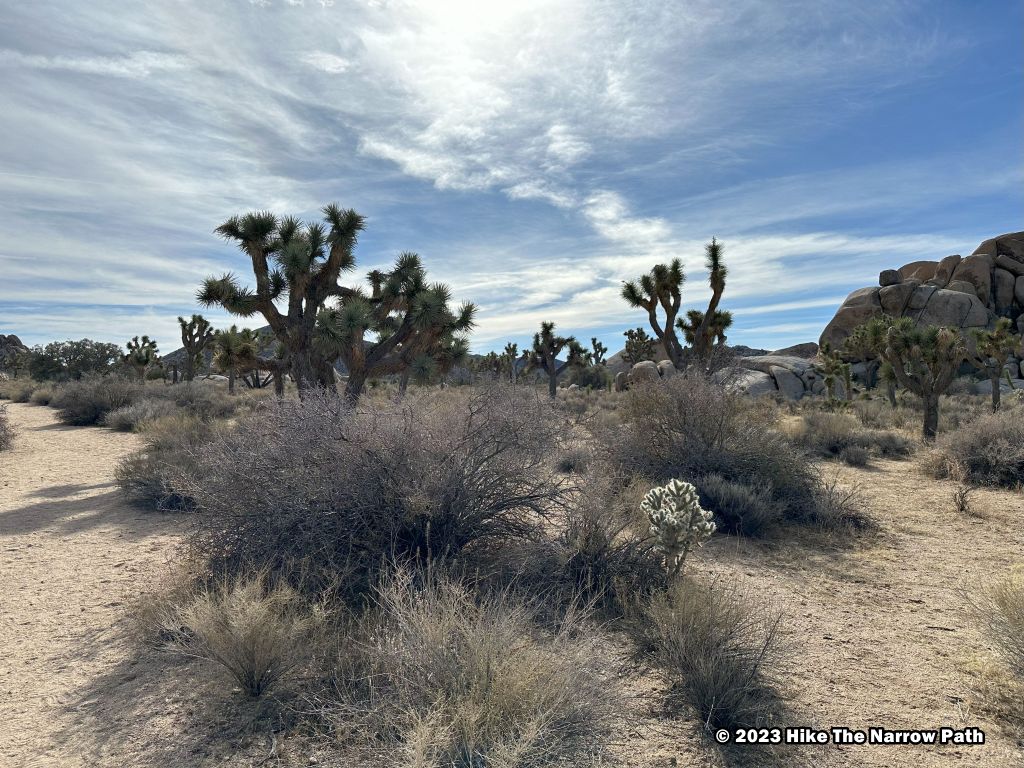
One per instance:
[(999, 606), (42, 395), (89, 400), (739, 507), (257, 630), (6, 430), (170, 449), (436, 678), (206, 400), (346, 489), (855, 455), (690, 427), (718, 649), (20, 391), (132, 417), (574, 459), (986, 451)]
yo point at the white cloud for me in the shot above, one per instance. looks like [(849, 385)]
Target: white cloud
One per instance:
[(136, 64), (327, 62)]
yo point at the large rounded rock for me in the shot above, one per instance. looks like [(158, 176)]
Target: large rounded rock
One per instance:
[(621, 381), (889, 277), (919, 270), (976, 269), (1018, 291), (859, 307), (894, 298), (944, 272), (753, 383), (643, 371), (1002, 290), (666, 369), (787, 382)]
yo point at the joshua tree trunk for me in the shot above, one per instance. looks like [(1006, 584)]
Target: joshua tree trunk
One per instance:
[(931, 416), (890, 390), (403, 383), (278, 383), (553, 384), (231, 381), (354, 387), (174, 375), (993, 376)]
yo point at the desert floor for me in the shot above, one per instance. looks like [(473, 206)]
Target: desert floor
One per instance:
[(878, 631)]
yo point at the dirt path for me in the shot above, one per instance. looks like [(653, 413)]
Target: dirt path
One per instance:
[(70, 549)]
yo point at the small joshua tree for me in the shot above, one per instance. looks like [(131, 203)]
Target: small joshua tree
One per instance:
[(991, 348), (887, 376), (546, 349), (510, 358), (236, 353), (867, 343), (639, 346), (924, 360), (835, 370), (678, 523), (196, 335), (141, 356), (597, 352)]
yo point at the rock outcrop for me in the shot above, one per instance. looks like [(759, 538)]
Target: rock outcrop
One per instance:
[(957, 292), (10, 346)]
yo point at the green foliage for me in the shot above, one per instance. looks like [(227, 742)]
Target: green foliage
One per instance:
[(639, 346), (835, 370), (235, 352), (547, 346), (142, 355), (64, 360), (196, 335), (598, 352)]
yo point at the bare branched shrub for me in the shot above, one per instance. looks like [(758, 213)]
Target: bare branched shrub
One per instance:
[(42, 395), (999, 606), (749, 509), (718, 649), (962, 499), (345, 490), (986, 451), (436, 678), (832, 434), (88, 400), (259, 631), (6, 430), (170, 449), (688, 426), (20, 391)]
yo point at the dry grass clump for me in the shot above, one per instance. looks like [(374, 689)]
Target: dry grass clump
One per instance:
[(689, 427), (749, 509), (170, 448), (344, 490), (573, 460), (986, 451), (42, 395), (435, 677), (6, 430), (258, 630), (718, 649), (18, 391)]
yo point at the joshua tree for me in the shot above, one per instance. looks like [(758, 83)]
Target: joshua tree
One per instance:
[(991, 348), (661, 289), (297, 262), (235, 353), (408, 316), (639, 346), (196, 334), (867, 343), (597, 352), (924, 361), (510, 358), (546, 349), (142, 354), (835, 370)]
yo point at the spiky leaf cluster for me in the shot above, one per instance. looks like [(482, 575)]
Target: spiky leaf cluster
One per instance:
[(639, 346), (678, 522)]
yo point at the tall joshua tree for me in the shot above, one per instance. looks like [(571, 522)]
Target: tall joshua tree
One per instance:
[(924, 360), (546, 349), (196, 335), (510, 358), (296, 263), (141, 356), (408, 316), (991, 348), (660, 292), (639, 346)]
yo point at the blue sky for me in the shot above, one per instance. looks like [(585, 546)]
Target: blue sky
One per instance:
[(535, 153)]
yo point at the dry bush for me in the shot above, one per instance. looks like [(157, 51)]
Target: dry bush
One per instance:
[(132, 418), (718, 649), (840, 435), (208, 400), (6, 430), (986, 451), (259, 631), (19, 391), (170, 449), (749, 509), (999, 606), (88, 400), (42, 395), (855, 456), (436, 678), (344, 490), (688, 427), (573, 460)]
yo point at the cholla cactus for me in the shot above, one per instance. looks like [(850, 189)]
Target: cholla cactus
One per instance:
[(678, 523)]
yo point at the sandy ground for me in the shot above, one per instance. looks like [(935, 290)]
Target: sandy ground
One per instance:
[(879, 632)]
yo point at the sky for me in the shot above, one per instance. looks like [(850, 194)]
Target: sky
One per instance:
[(535, 153)]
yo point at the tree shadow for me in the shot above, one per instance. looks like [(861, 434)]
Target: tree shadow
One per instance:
[(70, 489), (69, 516)]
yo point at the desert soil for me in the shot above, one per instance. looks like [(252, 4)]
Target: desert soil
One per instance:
[(879, 632)]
